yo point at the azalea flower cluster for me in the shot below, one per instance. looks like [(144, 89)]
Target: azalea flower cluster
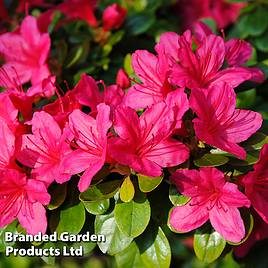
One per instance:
[(181, 97)]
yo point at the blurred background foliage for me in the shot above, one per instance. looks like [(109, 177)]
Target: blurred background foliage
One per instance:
[(78, 48)]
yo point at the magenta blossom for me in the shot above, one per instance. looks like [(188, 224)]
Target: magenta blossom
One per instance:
[(212, 198), (25, 53), (219, 123), (145, 144), (202, 68), (7, 146), (91, 142), (8, 112), (256, 184), (24, 199), (153, 71), (88, 93), (45, 149)]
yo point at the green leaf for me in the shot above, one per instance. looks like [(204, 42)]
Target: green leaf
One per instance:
[(72, 219), (252, 158), (115, 241), (74, 56), (127, 64), (246, 99), (139, 23), (56, 18), (255, 142), (9, 228), (100, 191), (154, 248), (261, 42), (129, 258), (58, 194), (254, 23), (127, 190), (87, 246), (133, 217), (50, 260), (97, 207), (211, 160), (148, 184), (176, 198), (208, 247)]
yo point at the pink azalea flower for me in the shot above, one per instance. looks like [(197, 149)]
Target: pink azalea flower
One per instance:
[(45, 149), (7, 146), (25, 53), (8, 113), (237, 51), (219, 124), (87, 93), (46, 88), (113, 17), (91, 141), (61, 108), (256, 184), (202, 68), (153, 71), (212, 198), (221, 11), (145, 144), (23, 198)]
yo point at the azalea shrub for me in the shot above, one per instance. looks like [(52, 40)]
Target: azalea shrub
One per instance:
[(143, 121)]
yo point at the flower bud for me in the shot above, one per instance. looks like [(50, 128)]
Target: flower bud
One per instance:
[(122, 79), (113, 17)]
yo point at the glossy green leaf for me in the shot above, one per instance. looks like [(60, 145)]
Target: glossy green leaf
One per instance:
[(127, 64), (133, 217), (58, 194), (154, 248), (246, 99), (252, 158), (72, 219), (261, 42), (148, 184), (97, 207), (116, 241), (176, 198), (129, 258), (127, 190), (139, 23), (211, 160), (50, 260), (9, 228), (101, 191), (255, 142), (254, 23), (209, 246), (87, 246)]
